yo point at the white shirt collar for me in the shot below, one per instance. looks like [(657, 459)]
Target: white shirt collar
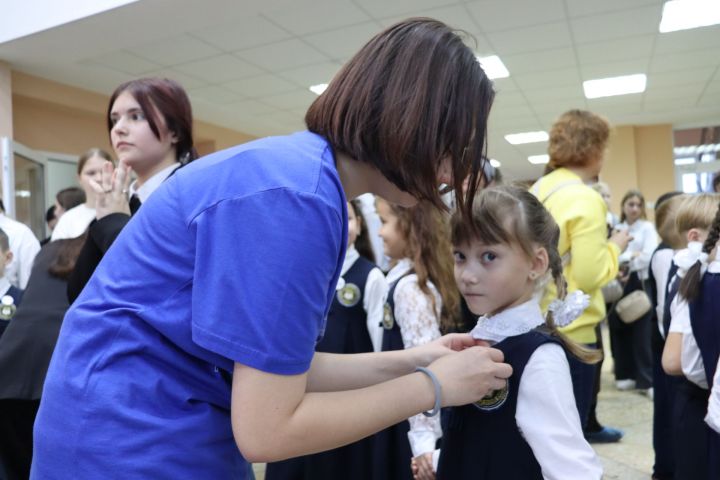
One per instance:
[(351, 256), (509, 323), (4, 286), (401, 268), (152, 183)]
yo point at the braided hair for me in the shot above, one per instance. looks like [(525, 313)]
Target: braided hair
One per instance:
[(690, 284)]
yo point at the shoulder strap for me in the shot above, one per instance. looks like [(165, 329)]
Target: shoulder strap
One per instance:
[(536, 191)]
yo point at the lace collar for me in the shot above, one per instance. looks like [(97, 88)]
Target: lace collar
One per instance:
[(401, 268), (509, 323)]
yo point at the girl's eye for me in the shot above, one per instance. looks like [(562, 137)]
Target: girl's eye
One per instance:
[(459, 257), (488, 257), (113, 121), (137, 116)]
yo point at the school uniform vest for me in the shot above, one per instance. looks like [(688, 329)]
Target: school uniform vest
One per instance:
[(704, 319), (689, 404), (346, 330), (486, 443), (391, 447), (670, 296)]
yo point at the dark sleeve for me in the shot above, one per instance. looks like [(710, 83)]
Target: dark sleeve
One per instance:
[(101, 234)]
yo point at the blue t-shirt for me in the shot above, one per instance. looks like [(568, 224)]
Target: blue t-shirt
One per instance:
[(235, 258)]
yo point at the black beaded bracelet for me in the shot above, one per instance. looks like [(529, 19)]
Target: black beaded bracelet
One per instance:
[(438, 391)]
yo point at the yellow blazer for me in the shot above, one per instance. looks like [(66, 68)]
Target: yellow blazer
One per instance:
[(580, 212)]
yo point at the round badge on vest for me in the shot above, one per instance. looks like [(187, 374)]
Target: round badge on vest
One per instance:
[(493, 400), (348, 295), (388, 317), (7, 308)]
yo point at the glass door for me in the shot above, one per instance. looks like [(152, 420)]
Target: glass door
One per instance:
[(24, 185)]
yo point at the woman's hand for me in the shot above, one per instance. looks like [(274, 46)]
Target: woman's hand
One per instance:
[(422, 467), (452, 342), (111, 192), (467, 376)]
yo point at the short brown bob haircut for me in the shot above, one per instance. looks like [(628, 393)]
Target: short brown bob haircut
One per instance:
[(412, 97), (577, 138)]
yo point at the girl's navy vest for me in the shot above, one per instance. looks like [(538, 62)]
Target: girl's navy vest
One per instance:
[(486, 444), (391, 447), (705, 322)]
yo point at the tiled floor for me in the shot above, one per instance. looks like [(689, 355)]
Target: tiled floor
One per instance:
[(632, 457)]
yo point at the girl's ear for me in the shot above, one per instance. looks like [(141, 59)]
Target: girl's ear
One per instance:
[(694, 235), (539, 263)]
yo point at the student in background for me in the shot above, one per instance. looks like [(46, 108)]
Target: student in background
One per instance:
[(24, 246), (76, 219), (422, 302), (10, 296)]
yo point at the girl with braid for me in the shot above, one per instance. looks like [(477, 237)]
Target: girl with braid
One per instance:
[(531, 428), (693, 343)]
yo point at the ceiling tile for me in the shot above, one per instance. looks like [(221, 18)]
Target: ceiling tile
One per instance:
[(530, 39), (626, 23), (261, 85), (499, 15), (214, 94), (123, 61), (179, 49), (311, 74), (344, 42), (455, 16), (614, 69), (685, 60), (540, 61), (681, 77), (222, 68), (291, 100), (282, 55), (248, 32), (577, 8), (663, 93), (187, 81), (610, 51), (550, 78), (687, 40), (303, 18), (385, 9), (551, 94)]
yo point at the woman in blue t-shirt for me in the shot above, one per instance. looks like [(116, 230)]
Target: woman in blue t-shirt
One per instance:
[(191, 349)]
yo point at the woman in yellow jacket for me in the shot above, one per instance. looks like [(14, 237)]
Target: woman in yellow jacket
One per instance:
[(577, 145)]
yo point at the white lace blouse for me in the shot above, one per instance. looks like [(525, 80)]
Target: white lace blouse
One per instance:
[(419, 324)]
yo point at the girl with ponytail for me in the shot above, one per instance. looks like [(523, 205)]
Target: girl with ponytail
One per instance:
[(693, 342), (531, 429)]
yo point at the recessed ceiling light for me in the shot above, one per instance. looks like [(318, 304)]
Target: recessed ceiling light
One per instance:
[(319, 88), (495, 163), (526, 137), (494, 67), (687, 14), (538, 159), (608, 87)]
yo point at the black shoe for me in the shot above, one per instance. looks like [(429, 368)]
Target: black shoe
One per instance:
[(605, 435)]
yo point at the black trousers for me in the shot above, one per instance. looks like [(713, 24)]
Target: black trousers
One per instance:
[(592, 424), (16, 437), (630, 344)]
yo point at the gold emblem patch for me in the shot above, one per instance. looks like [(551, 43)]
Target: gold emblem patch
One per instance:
[(388, 317), (493, 400), (348, 295)]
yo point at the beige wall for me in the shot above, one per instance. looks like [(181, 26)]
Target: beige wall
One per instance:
[(54, 117), (639, 157)]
